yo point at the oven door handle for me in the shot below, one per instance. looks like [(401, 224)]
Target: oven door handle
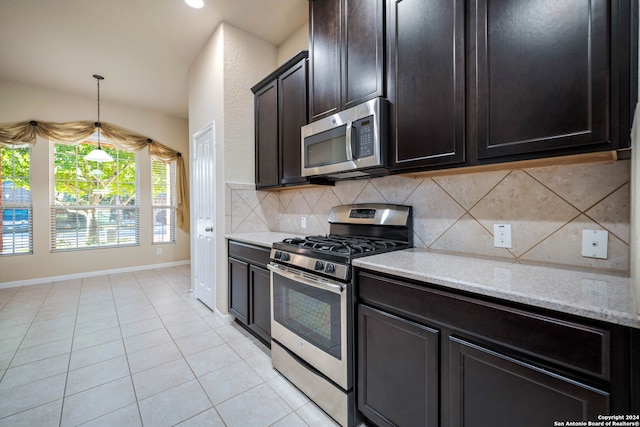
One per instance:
[(316, 283)]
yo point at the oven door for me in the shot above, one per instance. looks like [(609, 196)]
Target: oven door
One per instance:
[(309, 318)]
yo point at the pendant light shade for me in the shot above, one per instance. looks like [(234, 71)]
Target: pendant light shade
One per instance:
[(98, 155)]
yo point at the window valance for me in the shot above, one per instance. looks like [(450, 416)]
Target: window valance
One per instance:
[(23, 134)]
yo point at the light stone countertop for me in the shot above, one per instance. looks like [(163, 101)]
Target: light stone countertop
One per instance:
[(263, 238), (600, 296)]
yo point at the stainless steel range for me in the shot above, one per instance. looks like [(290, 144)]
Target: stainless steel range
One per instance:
[(312, 301)]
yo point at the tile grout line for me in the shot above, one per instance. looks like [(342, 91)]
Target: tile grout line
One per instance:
[(235, 339), (73, 335), (126, 354), (33, 320), (181, 354)]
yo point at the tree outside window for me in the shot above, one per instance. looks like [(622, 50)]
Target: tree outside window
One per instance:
[(16, 228), (93, 204)]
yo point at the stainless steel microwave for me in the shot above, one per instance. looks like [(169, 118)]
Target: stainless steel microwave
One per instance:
[(348, 144)]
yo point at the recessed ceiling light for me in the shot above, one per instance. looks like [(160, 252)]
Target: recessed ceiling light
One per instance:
[(197, 4)]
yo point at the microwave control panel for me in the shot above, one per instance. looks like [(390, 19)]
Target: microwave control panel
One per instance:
[(364, 135)]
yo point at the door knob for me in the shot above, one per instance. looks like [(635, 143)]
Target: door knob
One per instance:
[(208, 229)]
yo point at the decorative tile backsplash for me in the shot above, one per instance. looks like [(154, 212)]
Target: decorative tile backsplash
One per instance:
[(547, 207)]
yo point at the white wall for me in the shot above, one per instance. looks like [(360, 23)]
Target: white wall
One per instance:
[(635, 209), (19, 102), (298, 41), (635, 203), (220, 81), (247, 60)]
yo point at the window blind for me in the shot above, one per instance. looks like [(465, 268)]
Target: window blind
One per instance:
[(16, 212), (93, 204), (164, 201)]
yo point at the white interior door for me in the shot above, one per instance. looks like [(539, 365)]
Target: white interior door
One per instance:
[(203, 215)]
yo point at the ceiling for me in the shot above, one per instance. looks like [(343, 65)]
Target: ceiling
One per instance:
[(143, 48)]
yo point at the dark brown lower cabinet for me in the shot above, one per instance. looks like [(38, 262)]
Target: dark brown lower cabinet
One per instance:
[(430, 356), (398, 377), (489, 388), (249, 288), (260, 304), (239, 289)]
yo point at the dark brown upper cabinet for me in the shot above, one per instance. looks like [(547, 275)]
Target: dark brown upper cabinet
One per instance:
[(266, 136), (541, 78), (280, 106), (292, 109), (346, 44), (473, 82), (426, 87)]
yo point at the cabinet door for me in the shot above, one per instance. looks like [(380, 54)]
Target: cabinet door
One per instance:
[(426, 82), (488, 388), (397, 370), (324, 54), (260, 294), (239, 289), (362, 51), (293, 115), (540, 75), (266, 128)]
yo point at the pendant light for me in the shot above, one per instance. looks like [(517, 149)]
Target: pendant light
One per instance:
[(98, 155)]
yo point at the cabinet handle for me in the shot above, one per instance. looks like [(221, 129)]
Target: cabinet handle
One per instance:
[(208, 229)]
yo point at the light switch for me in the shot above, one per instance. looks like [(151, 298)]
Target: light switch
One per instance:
[(594, 243)]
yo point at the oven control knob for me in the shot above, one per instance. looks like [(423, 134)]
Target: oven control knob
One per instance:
[(285, 256), (329, 268), (319, 265), (277, 255)]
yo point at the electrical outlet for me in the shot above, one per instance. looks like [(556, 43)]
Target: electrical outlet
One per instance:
[(594, 243), (159, 251), (303, 222), (502, 235)]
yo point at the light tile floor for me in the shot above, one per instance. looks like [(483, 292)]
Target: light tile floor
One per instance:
[(135, 349)]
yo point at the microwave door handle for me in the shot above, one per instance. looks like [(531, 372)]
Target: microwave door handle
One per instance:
[(348, 140), (316, 283)]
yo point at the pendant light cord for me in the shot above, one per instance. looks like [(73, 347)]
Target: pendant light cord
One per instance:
[(98, 100), (98, 124)]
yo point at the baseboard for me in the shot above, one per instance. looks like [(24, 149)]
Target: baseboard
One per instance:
[(41, 280), (224, 318)]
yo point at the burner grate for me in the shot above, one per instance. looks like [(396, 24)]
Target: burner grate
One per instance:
[(349, 245)]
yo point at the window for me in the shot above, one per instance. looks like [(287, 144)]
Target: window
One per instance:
[(163, 193), (16, 229), (93, 204)]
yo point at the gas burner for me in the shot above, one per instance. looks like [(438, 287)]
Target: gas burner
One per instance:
[(293, 241), (326, 243)]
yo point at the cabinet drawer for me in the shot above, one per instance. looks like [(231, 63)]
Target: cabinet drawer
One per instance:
[(253, 254), (578, 347), (488, 388)]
